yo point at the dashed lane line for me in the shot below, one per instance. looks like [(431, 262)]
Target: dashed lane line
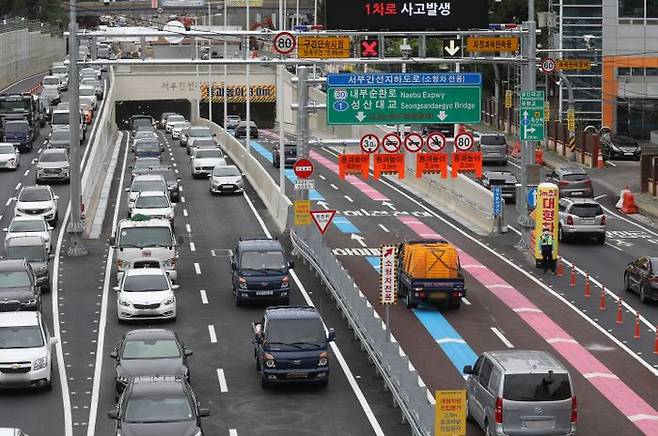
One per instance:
[(213, 335), (223, 387), (192, 246), (204, 296), (502, 337), (197, 268)]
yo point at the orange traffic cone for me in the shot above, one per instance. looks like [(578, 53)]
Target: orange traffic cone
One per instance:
[(573, 277), (600, 163), (619, 319), (560, 267), (602, 300), (588, 290), (636, 335)]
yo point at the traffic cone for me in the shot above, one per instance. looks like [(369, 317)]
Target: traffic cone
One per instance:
[(560, 267), (573, 276), (636, 335), (600, 163), (588, 290), (602, 300), (655, 347), (619, 319)]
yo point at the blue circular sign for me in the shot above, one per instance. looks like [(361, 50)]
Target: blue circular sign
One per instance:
[(532, 197), (341, 105)]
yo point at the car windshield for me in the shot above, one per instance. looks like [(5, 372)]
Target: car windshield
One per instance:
[(203, 154), (49, 81), (60, 118), (34, 195), (225, 171), (146, 145), (87, 91), (14, 279), (151, 202), (146, 237), (144, 283), (136, 122), (53, 157), (624, 141), (175, 118), (145, 134), (575, 177), (27, 226), (60, 135), (204, 142), (586, 210), (150, 349), (60, 70), (492, 140), (14, 105), (31, 253), (258, 260), (199, 132), (537, 387), (21, 337), (7, 149), (147, 185), (233, 117), (289, 331), (158, 408), (15, 127)]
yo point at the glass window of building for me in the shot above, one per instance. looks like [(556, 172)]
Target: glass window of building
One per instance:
[(652, 8), (631, 8)]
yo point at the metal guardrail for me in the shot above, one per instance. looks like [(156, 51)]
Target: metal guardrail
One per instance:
[(400, 378), (19, 23)]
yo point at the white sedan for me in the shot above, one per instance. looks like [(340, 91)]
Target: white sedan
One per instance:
[(30, 226), (154, 204), (146, 293), (10, 157)]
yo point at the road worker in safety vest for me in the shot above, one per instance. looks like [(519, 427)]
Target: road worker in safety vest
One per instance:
[(546, 248)]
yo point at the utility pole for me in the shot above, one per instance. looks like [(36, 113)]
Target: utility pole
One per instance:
[(75, 226), (280, 114), (210, 93), (528, 83), (247, 47), (225, 56)]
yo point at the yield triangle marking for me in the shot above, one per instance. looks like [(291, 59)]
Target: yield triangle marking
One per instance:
[(322, 218)]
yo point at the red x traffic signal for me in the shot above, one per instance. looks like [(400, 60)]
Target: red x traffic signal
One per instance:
[(369, 48)]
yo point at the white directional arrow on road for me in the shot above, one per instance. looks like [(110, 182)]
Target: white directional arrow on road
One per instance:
[(359, 239), (452, 49), (442, 115), (388, 204), (360, 116), (324, 204)]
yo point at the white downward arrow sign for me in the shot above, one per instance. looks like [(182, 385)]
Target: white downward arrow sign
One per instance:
[(442, 115), (452, 49), (360, 116)]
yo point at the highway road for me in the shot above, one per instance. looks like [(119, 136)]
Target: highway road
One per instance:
[(501, 290), (19, 408)]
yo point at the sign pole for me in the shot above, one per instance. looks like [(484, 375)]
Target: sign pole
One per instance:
[(302, 120), (388, 323)]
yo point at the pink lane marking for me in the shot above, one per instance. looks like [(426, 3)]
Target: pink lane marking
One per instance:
[(353, 180), (605, 381)]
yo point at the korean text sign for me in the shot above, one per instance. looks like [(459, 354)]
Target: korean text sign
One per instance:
[(450, 413), (546, 216), (388, 275)]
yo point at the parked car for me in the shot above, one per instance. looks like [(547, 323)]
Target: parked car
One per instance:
[(161, 405), (292, 346), (54, 164), (146, 293), (18, 286), (149, 352), (505, 179), (581, 217), (572, 181), (30, 226), (241, 130), (290, 152), (226, 179), (641, 276), (10, 156), (620, 147), (38, 201), (521, 392), (25, 351), (203, 161), (35, 251)]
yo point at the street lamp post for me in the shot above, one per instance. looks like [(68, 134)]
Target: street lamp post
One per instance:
[(225, 56), (210, 93)]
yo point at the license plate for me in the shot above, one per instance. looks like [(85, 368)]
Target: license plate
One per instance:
[(146, 253), (576, 193), (297, 375), (541, 424), (264, 292), (227, 186), (628, 154)]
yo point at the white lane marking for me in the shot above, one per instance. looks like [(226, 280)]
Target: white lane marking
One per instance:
[(18, 186), (188, 228), (9, 200), (176, 171), (598, 197), (501, 286), (502, 337), (192, 246), (450, 341), (184, 212), (642, 417), (527, 310), (95, 392), (182, 199), (180, 188), (212, 253), (232, 432), (466, 301), (374, 423), (334, 186), (26, 172), (561, 341), (348, 198), (204, 296), (39, 151), (613, 246), (213, 335), (612, 164), (590, 375), (381, 226), (322, 177), (197, 268), (222, 380)]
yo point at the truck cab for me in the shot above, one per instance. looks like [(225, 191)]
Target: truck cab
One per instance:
[(260, 271), (291, 345), (141, 242), (18, 132), (429, 270)]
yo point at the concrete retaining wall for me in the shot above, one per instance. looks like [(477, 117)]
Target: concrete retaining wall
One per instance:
[(266, 188), (24, 53)]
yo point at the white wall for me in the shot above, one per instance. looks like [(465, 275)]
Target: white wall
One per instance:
[(24, 53)]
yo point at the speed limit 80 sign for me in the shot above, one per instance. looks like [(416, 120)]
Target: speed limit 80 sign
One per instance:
[(284, 43), (464, 141)]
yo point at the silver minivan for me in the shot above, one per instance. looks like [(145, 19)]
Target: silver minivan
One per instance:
[(521, 392), (494, 148)]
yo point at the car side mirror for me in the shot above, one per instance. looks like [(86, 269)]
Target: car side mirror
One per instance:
[(331, 336), (5, 229), (234, 265), (51, 256), (174, 287), (468, 369), (51, 228), (204, 413), (114, 354), (117, 288), (113, 414), (56, 197), (291, 264), (112, 241), (187, 352), (53, 340)]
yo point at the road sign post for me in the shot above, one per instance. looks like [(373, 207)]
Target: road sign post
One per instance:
[(303, 168), (532, 116), (403, 98), (388, 281)]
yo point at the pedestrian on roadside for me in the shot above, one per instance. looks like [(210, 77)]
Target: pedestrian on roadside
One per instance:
[(546, 247)]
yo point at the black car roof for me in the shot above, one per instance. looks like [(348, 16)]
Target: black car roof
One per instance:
[(259, 245), (292, 312), (151, 334), (148, 386)]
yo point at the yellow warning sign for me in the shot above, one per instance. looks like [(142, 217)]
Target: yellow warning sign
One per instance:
[(323, 47), (508, 98), (302, 212), (547, 111), (571, 120), (450, 413), (492, 44)]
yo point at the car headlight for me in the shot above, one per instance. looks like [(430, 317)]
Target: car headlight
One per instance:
[(123, 380), (123, 264), (269, 360), (31, 302), (198, 433), (614, 147), (40, 363), (169, 301), (242, 283), (324, 359), (285, 282), (124, 303), (170, 262)]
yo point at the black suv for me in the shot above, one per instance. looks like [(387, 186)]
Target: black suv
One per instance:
[(165, 406), (290, 151), (260, 271), (291, 346), (620, 147), (18, 286)]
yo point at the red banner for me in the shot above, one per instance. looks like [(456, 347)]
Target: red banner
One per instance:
[(467, 162), (432, 163), (389, 163), (354, 164)]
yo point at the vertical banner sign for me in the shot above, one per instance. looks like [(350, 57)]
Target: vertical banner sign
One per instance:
[(497, 200), (432, 163), (354, 164), (467, 162), (547, 111), (508, 99), (302, 212), (546, 216), (450, 413), (388, 276), (571, 120), (389, 164)]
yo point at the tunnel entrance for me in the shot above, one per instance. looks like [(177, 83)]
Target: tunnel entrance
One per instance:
[(263, 114), (155, 108)]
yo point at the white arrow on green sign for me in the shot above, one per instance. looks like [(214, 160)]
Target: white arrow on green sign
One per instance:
[(532, 116)]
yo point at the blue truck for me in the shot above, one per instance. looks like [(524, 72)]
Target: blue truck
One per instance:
[(18, 132)]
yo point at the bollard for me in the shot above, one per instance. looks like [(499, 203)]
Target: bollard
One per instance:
[(655, 347), (573, 276), (588, 289), (619, 319), (602, 300), (560, 267), (636, 335)]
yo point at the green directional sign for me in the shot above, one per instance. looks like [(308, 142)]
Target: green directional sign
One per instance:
[(531, 116), (406, 98)]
